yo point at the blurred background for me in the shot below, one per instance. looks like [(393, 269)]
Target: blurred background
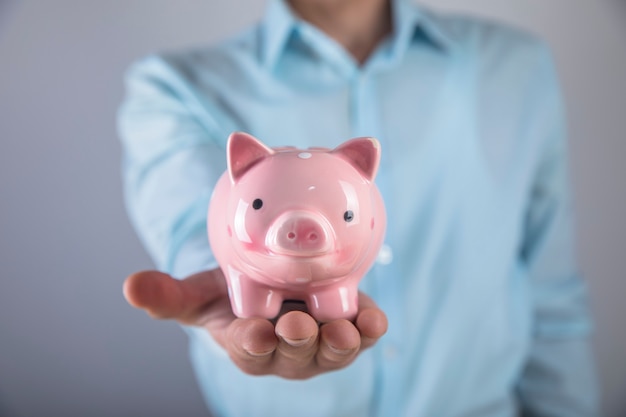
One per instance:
[(69, 343)]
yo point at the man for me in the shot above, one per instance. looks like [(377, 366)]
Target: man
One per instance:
[(476, 286)]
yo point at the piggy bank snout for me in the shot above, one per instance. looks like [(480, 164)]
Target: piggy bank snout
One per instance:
[(299, 233)]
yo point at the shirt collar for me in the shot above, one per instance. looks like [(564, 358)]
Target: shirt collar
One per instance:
[(277, 26), (410, 22)]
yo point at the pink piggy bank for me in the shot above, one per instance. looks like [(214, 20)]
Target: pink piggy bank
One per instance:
[(290, 224)]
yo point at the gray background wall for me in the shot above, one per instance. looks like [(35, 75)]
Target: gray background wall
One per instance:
[(69, 344)]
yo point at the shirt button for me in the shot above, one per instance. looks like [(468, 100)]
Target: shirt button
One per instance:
[(385, 255), (390, 352)]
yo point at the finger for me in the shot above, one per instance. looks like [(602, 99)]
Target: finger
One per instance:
[(165, 297), (371, 321), (251, 344), (339, 343), (216, 319), (297, 334)]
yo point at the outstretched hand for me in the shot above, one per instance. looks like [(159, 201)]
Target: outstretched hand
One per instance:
[(293, 346)]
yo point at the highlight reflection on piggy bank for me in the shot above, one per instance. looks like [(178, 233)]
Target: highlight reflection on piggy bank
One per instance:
[(291, 224)]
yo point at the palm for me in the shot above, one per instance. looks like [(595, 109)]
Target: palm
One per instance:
[(293, 346)]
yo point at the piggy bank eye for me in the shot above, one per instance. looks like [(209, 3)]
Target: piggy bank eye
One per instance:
[(348, 216), (257, 204)]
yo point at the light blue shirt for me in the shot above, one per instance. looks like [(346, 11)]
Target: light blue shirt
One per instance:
[(487, 313)]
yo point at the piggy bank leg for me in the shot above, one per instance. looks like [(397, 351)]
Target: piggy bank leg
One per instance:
[(249, 299), (335, 303)]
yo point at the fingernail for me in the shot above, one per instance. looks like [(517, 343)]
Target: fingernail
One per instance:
[(259, 354), (340, 351), (256, 353), (296, 342)]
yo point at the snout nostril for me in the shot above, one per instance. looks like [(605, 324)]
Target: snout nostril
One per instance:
[(291, 235), (313, 236)]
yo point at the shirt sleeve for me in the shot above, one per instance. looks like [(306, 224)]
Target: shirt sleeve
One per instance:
[(559, 377), (172, 156)]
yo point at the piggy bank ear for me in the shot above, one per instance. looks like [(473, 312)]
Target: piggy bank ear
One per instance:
[(362, 153), (243, 152)]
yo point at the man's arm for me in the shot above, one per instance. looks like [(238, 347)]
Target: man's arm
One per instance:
[(559, 377), (173, 156)]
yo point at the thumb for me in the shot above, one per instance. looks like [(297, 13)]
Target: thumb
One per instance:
[(167, 298)]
